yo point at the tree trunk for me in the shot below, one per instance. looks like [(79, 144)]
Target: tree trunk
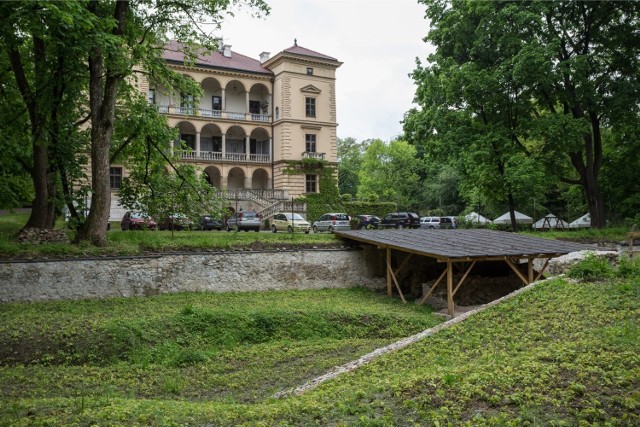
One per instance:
[(104, 79), (512, 213)]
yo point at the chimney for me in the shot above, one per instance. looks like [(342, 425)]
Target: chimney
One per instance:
[(227, 50), (264, 56)]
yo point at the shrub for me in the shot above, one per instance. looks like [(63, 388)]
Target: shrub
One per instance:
[(592, 268), (628, 268)]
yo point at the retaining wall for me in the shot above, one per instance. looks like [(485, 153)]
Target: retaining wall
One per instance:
[(210, 272)]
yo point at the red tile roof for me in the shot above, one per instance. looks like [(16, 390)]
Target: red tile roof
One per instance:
[(173, 52)]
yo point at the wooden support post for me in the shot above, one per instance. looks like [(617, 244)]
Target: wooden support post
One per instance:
[(389, 288), (515, 270), (544, 267), (393, 276), (424, 298), (450, 305), (530, 270), (464, 277)]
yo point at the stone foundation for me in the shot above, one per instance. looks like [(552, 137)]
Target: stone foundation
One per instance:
[(212, 272)]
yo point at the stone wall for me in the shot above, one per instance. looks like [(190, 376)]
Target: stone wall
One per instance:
[(210, 272)]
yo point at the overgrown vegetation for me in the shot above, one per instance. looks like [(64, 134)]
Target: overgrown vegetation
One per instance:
[(562, 354)]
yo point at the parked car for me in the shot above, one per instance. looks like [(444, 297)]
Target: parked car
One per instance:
[(283, 222), (208, 222), (401, 220), (332, 222), (368, 221), (436, 222), (137, 221), (243, 221), (175, 222)]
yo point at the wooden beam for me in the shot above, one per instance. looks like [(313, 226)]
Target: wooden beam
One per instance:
[(404, 264), (515, 270), (393, 276), (530, 270), (464, 277), (424, 298), (389, 288), (450, 305), (544, 267)]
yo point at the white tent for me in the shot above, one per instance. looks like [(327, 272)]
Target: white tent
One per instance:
[(520, 218), (550, 221), (477, 218), (583, 222)]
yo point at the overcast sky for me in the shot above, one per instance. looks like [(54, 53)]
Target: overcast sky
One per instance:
[(377, 41)]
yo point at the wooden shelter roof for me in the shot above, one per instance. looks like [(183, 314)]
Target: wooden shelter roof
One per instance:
[(464, 244)]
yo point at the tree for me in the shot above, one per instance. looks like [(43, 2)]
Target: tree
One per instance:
[(103, 46), (389, 173), (350, 154), (549, 74)]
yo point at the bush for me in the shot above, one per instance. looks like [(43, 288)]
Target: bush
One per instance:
[(592, 268), (628, 268)]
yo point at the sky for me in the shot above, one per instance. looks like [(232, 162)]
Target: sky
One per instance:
[(377, 41)]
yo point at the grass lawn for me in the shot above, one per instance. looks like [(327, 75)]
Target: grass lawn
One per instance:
[(562, 354), (140, 242)]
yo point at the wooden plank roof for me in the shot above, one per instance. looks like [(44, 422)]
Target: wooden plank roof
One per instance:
[(464, 244)]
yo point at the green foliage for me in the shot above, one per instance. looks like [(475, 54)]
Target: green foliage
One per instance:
[(327, 199), (390, 172), (560, 354), (592, 268), (515, 114)]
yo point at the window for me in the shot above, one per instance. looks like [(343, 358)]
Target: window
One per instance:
[(186, 102), (151, 96), (311, 183), (309, 71), (254, 107), (216, 103), (115, 177), (189, 140), (310, 143), (310, 107), (277, 113)]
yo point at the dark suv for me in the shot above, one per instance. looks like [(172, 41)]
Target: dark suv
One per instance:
[(368, 221), (401, 220)]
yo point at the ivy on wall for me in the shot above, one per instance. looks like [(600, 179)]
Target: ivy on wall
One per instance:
[(328, 198)]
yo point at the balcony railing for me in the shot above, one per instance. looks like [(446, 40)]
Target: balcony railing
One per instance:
[(235, 116), (254, 194), (205, 112), (229, 157), (313, 155), (210, 113), (260, 117)]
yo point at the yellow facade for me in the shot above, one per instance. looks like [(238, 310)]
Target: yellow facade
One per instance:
[(252, 117)]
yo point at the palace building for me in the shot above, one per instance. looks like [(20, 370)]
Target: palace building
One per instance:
[(253, 117)]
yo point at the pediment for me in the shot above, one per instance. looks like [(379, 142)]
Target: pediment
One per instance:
[(310, 89)]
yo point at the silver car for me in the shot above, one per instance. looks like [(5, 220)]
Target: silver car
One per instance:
[(243, 221), (332, 222)]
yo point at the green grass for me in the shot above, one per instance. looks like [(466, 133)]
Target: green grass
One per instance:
[(140, 242), (586, 235), (565, 354), (193, 347)]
